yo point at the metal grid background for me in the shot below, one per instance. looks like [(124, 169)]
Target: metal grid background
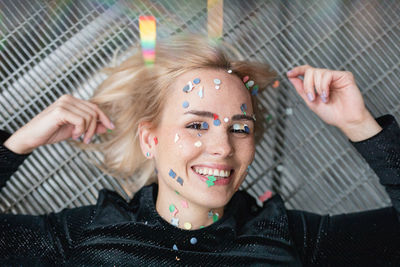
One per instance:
[(49, 48)]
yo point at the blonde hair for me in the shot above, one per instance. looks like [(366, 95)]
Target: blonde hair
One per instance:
[(135, 93)]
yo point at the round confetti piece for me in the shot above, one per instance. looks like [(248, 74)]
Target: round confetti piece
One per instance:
[(185, 104), (196, 81), (275, 84), (205, 125), (155, 140), (217, 87), (197, 144), (171, 208), (193, 240), (245, 78), (186, 88), (229, 71), (289, 111), (280, 168), (217, 122), (187, 225), (147, 154), (226, 119), (199, 134), (250, 83), (217, 81), (246, 129)]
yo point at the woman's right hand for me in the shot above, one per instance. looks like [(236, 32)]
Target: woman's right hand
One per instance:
[(67, 117)]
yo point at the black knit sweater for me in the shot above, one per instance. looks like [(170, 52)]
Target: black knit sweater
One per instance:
[(118, 233)]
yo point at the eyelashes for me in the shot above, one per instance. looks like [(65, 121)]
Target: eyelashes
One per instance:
[(240, 128)]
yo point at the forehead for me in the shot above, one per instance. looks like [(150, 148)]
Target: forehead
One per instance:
[(224, 101)]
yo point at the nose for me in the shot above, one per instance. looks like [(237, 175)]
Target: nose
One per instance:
[(220, 145)]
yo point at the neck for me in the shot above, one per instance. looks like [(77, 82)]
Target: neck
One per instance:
[(189, 215)]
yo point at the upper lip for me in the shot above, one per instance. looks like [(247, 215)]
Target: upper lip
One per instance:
[(217, 166)]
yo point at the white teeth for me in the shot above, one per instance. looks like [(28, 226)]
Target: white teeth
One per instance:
[(215, 172)]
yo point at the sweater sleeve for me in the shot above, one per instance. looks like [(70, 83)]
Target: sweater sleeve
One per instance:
[(368, 238)]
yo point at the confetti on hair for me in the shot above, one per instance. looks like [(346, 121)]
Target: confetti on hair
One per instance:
[(172, 173), (184, 204), (155, 140), (275, 84), (229, 71), (249, 84), (198, 144), (215, 19), (267, 194), (147, 27), (269, 117), (180, 180), (176, 138), (245, 78), (254, 91)]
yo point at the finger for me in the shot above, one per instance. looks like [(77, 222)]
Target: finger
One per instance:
[(309, 84), (299, 70), (325, 84), (318, 83), (90, 118), (65, 115), (102, 116), (100, 129)]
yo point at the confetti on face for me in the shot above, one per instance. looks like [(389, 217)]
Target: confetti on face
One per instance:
[(254, 90), (205, 125), (245, 78), (147, 154), (180, 180), (215, 116), (229, 71), (217, 122), (276, 84), (210, 214), (249, 84), (201, 92), (217, 81), (187, 225), (171, 208), (217, 87), (215, 217), (193, 240), (185, 104), (196, 81), (226, 119), (175, 212), (175, 222), (155, 140), (184, 204), (201, 226), (199, 134), (189, 87), (211, 180), (176, 138), (172, 173), (177, 192), (246, 128), (197, 144)]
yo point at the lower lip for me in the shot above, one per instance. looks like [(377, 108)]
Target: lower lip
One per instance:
[(223, 181)]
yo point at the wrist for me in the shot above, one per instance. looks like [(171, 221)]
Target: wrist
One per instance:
[(362, 130), (16, 147)]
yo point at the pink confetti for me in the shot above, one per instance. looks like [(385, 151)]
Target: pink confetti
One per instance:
[(245, 78), (265, 196), (185, 204), (175, 212)]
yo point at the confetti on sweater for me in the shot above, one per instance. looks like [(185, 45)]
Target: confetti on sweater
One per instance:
[(267, 194)]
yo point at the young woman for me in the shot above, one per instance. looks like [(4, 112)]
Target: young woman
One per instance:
[(190, 123)]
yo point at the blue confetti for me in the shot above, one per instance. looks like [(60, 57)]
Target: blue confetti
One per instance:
[(193, 240), (172, 173), (196, 81), (186, 88), (180, 180), (217, 81), (246, 129), (255, 90), (185, 104), (205, 125), (174, 247), (217, 122)]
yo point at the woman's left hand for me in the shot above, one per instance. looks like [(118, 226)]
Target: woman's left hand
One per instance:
[(336, 100)]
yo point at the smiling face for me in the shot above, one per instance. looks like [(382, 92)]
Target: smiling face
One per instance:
[(195, 146)]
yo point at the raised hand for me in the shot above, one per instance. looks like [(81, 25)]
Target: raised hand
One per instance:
[(335, 98), (67, 117)]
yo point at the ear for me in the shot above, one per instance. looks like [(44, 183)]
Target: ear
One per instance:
[(146, 138)]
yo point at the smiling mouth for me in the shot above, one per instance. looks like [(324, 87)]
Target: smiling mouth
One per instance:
[(217, 173)]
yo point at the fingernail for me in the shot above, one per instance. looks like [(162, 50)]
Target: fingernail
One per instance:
[(310, 96), (324, 94), (289, 72), (75, 137), (88, 141), (323, 98), (112, 126)]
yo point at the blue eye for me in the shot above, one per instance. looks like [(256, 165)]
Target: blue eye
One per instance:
[(198, 125), (240, 128)]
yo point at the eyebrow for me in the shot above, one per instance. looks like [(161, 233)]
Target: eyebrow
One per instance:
[(238, 117)]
